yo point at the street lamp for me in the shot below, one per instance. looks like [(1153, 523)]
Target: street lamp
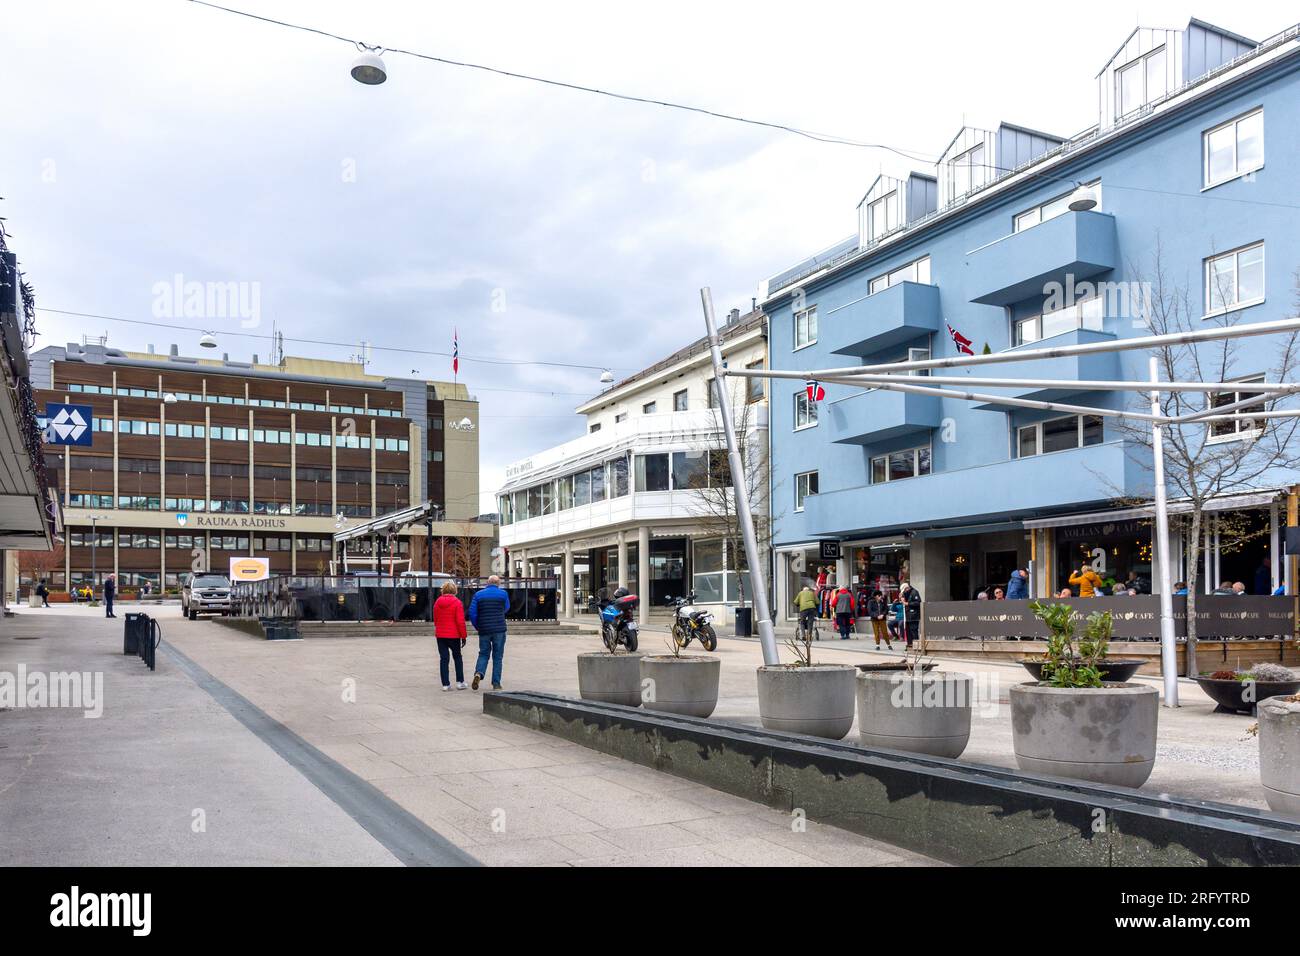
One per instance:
[(94, 541), (368, 68), (1083, 198), (208, 340)]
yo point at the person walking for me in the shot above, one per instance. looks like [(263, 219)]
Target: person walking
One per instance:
[(449, 629), (487, 612), (1086, 580), (877, 611), (805, 602), (911, 599), (844, 611), (1018, 586), (43, 593), (110, 590)]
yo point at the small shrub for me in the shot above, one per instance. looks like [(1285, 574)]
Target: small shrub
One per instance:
[(1064, 666)]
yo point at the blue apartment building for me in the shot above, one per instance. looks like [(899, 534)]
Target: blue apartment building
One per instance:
[(1194, 165)]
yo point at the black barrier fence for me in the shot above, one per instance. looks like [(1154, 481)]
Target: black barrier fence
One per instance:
[(1135, 618), (380, 598)]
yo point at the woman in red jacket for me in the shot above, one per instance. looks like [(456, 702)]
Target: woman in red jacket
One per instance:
[(449, 628)]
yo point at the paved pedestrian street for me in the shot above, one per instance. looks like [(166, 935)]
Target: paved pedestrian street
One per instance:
[(125, 787)]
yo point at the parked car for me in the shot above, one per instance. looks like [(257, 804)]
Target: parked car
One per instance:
[(205, 592), (420, 579)]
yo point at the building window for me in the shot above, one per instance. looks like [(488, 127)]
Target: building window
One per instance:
[(968, 171), (882, 215), (1234, 149), (1235, 279), (753, 386), (805, 412), (1052, 208), (649, 408), (620, 417), (805, 484), (1058, 434), (1241, 427), (1141, 82), (1085, 314), (652, 472), (805, 328), (908, 463), (916, 271), (618, 477), (594, 428)]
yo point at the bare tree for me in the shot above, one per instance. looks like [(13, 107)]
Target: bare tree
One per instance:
[(464, 554), (39, 564), (1207, 460), (714, 501)]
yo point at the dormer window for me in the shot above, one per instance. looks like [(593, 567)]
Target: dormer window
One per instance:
[(882, 215), (969, 171), (1141, 82)]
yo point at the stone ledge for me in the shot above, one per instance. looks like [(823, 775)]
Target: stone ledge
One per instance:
[(961, 813)]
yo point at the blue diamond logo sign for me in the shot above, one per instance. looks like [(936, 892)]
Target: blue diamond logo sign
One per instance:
[(68, 424), (182, 518)]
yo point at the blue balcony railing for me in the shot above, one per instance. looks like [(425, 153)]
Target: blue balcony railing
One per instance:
[(1021, 266)]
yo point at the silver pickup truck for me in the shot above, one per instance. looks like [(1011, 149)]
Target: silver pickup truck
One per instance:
[(205, 592)]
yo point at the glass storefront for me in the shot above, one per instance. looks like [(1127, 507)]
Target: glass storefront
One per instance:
[(714, 573), (1112, 549), (884, 567)]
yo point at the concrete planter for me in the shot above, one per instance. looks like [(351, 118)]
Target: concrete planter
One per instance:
[(920, 713), (612, 678), (815, 700), (1103, 734), (1279, 754), (681, 685)]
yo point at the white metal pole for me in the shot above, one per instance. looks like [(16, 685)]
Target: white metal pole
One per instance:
[(766, 634), (1168, 649)]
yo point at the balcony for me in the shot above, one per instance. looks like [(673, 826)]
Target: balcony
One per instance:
[(1099, 366), (870, 417), (1019, 266), (896, 315), (1016, 488)]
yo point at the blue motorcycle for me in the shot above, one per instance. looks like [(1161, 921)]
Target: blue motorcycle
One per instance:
[(617, 623)]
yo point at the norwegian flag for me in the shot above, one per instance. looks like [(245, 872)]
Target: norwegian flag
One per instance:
[(455, 351), (963, 344), (815, 392)]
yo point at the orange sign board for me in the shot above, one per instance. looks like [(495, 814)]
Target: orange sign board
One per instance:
[(250, 569)]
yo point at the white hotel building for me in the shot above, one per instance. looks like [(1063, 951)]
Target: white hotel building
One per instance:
[(622, 504)]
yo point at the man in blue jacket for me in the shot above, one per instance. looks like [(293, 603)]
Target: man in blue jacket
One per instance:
[(487, 612), (1018, 586)]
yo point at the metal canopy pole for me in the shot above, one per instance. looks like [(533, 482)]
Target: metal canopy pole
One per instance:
[(1168, 649), (739, 485), (1086, 348)]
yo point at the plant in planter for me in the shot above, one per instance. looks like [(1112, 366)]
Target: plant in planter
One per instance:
[(1074, 724), (678, 683), (915, 710), (1239, 691), (1098, 627), (805, 697)]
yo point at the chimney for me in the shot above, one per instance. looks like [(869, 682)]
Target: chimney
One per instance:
[(254, 358), (151, 348), (225, 356), (175, 351), (733, 316), (753, 303)]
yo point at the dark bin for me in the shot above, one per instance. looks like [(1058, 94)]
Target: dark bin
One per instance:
[(744, 622), (135, 632)]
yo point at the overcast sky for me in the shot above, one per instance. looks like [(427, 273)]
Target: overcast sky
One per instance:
[(148, 138)]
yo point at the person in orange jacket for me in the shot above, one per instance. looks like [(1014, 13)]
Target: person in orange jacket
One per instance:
[(1086, 580)]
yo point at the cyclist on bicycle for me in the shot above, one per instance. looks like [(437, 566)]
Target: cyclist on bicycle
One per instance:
[(806, 603)]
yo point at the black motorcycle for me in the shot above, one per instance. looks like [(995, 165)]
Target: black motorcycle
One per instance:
[(690, 624)]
